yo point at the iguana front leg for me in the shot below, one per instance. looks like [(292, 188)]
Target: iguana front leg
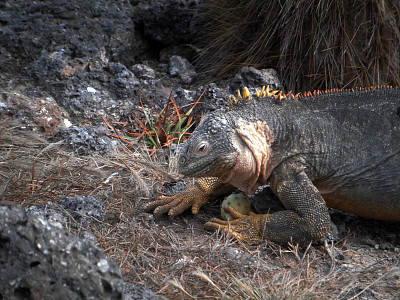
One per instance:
[(306, 218), (195, 196)]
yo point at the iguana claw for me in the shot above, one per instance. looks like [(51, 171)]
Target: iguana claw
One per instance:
[(247, 228), (194, 196), (177, 204)]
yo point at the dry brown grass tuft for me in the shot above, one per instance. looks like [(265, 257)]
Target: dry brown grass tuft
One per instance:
[(40, 171), (177, 258), (313, 44)]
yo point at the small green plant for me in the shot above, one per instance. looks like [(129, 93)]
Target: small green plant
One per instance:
[(159, 129)]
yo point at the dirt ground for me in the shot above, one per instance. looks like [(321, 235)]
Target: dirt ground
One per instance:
[(177, 258)]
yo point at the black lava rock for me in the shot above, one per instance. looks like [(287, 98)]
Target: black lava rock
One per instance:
[(40, 261)]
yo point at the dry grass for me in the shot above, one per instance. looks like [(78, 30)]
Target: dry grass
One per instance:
[(42, 171), (177, 258), (313, 44)]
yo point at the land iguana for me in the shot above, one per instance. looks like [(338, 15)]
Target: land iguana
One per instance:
[(338, 149)]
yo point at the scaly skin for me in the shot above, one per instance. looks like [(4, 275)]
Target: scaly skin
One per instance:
[(195, 197), (336, 149)]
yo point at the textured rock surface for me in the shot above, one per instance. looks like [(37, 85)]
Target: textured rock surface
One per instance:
[(95, 55), (181, 67), (174, 19), (76, 28), (41, 261), (41, 114), (83, 58), (249, 76), (83, 207), (138, 292), (87, 140)]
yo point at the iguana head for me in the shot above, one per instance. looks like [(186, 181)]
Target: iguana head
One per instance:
[(210, 149), (230, 148)]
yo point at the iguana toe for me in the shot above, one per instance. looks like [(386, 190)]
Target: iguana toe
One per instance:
[(173, 205), (157, 203), (234, 213), (194, 196), (247, 228)]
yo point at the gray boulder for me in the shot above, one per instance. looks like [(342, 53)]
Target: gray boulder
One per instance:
[(41, 261)]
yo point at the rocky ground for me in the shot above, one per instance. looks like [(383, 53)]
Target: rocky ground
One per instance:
[(73, 195)]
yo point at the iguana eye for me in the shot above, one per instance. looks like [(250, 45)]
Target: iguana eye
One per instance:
[(182, 160), (202, 148)]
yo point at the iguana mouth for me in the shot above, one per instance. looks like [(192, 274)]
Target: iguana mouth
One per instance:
[(215, 168)]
